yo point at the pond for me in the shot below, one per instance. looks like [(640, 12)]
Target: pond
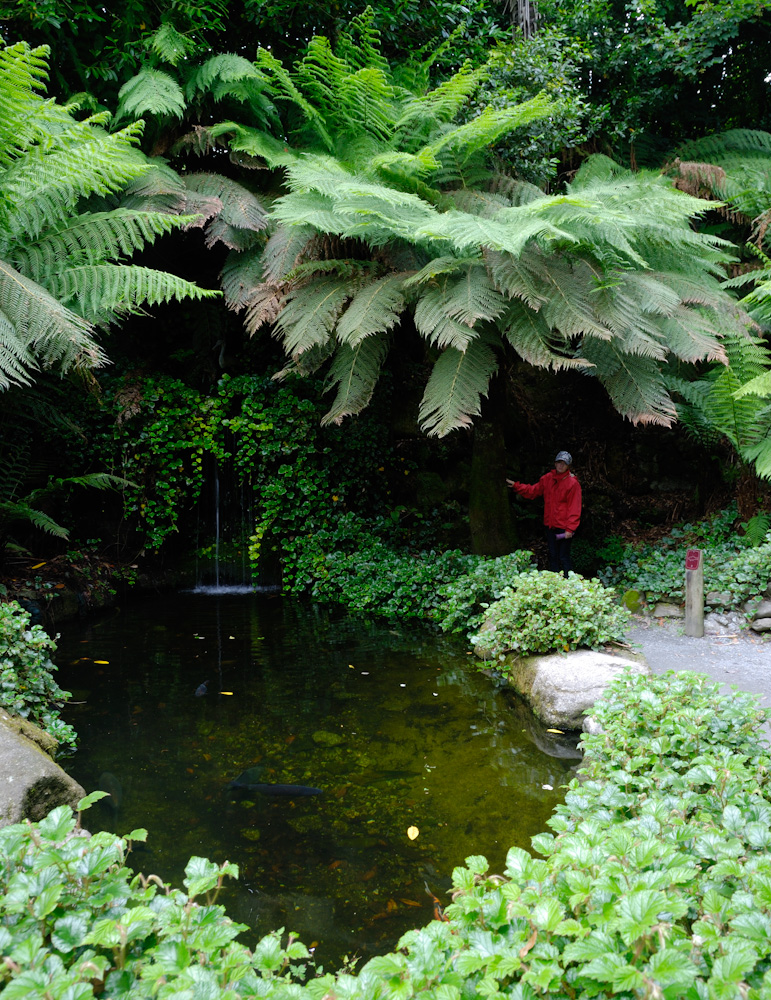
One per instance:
[(175, 697)]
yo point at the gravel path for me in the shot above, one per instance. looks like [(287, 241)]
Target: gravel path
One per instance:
[(741, 658)]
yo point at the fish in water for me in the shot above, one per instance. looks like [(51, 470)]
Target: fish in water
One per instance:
[(110, 784), (202, 689), (249, 782)]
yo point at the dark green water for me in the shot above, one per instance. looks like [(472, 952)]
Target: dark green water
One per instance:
[(391, 722)]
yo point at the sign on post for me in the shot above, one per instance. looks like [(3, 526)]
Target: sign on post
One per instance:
[(694, 593)]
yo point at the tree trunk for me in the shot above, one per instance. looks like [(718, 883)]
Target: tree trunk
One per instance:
[(490, 520)]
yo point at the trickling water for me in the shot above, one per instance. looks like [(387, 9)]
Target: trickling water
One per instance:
[(225, 524), (390, 721)]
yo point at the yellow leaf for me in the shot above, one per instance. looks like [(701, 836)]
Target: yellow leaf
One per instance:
[(560, 731), (101, 661), (413, 832), (226, 692)]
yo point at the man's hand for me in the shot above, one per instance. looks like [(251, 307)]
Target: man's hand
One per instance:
[(569, 534), (510, 482)]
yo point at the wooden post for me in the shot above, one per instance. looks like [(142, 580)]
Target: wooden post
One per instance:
[(694, 593)]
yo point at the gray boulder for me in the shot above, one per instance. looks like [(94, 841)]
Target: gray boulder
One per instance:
[(562, 689), (31, 783)]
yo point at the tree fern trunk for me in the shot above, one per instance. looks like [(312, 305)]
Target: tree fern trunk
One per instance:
[(492, 527)]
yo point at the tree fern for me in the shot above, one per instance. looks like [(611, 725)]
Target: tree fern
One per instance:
[(311, 313), (151, 92), (58, 255), (375, 308), (455, 388), (354, 371)]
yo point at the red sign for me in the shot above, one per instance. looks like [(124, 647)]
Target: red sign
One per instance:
[(693, 558)]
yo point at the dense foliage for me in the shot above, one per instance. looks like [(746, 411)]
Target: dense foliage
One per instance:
[(541, 612), (656, 882), (736, 566), (27, 685)]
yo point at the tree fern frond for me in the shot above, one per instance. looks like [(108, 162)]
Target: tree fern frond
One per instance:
[(597, 168), (91, 239), (312, 209), (759, 455), (43, 186), (359, 43), (16, 360), (307, 363), (169, 44), (355, 371), (254, 142), (11, 512), (484, 130), (283, 87), (535, 342), (263, 306), (374, 308), (420, 115), (635, 384), (223, 69), (457, 383), (284, 250), (311, 313), (105, 292), (241, 273), (442, 265), (241, 208), (151, 92), (50, 332)]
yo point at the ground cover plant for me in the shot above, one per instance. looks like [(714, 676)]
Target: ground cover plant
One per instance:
[(655, 883), (27, 685), (736, 565)]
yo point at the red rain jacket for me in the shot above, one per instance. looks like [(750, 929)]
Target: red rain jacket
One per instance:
[(561, 499)]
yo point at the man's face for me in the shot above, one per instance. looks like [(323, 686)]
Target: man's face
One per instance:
[(561, 467)]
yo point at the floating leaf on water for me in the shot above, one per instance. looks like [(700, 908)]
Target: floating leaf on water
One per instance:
[(409, 902), (549, 788), (105, 662), (226, 692), (413, 832), (560, 731)]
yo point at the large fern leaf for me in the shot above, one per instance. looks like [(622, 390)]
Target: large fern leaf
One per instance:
[(355, 370), (455, 388), (375, 308), (311, 313), (151, 92)]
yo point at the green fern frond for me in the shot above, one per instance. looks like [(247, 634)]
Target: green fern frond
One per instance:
[(253, 142), (241, 273), (44, 186), (455, 388), (157, 189), (756, 529), (311, 313), (241, 208), (42, 327), (170, 45), (307, 363), (359, 43), (92, 239), (11, 513), (284, 250), (489, 126), (263, 306), (151, 92), (759, 455), (355, 371), (219, 72), (106, 292), (421, 114), (375, 308), (535, 342), (634, 383), (283, 87)]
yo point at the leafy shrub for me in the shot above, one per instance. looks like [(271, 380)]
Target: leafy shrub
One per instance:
[(734, 565), (27, 685), (75, 922), (547, 611), (464, 600)]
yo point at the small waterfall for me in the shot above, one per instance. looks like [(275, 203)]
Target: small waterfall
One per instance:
[(224, 526)]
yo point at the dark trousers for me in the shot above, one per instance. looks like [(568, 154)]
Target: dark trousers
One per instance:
[(559, 551)]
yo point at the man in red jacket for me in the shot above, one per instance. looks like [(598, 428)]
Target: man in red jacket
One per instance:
[(561, 493)]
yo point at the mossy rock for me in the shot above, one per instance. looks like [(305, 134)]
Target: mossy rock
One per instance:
[(634, 601)]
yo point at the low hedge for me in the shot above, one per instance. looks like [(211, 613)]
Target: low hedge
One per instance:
[(655, 883)]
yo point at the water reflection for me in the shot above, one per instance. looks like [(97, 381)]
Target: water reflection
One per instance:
[(389, 721)]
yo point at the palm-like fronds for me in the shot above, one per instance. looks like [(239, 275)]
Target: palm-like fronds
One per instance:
[(61, 269), (455, 388), (354, 371), (609, 277), (151, 92)]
